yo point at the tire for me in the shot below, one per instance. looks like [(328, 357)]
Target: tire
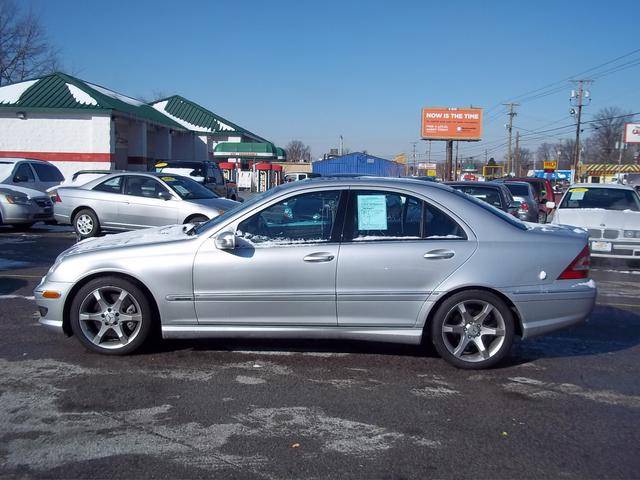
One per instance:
[(86, 223), (197, 219), (21, 227), (542, 217), (455, 335), (114, 324)]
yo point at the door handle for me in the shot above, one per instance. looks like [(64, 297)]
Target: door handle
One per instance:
[(318, 257), (439, 254)]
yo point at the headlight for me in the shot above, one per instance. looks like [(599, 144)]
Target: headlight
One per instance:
[(18, 199), (632, 234)]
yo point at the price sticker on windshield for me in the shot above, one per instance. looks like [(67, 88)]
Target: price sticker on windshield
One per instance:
[(577, 193), (169, 179)]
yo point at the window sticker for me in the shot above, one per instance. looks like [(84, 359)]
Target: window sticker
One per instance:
[(577, 193), (372, 212), (169, 179)]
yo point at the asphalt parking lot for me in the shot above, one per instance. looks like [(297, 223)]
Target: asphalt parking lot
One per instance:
[(565, 405)]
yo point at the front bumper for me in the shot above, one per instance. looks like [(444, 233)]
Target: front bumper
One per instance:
[(554, 307), (52, 310)]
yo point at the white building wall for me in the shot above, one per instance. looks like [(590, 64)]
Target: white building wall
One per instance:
[(72, 142)]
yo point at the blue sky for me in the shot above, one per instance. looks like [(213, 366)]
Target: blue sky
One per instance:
[(313, 70)]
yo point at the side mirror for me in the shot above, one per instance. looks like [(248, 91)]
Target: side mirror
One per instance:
[(550, 205), (226, 241), (165, 195)]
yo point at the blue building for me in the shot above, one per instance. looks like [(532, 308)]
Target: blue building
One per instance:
[(358, 163)]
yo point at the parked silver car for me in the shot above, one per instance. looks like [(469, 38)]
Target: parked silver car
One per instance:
[(361, 258), (22, 207), (29, 173), (129, 201), (525, 196)]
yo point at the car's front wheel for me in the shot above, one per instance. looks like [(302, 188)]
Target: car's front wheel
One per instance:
[(86, 223), (111, 315), (473, 329)]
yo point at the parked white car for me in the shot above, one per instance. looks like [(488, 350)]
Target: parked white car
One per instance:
[(611, 214)]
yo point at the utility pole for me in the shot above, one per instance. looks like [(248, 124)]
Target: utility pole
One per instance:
[(413, 161), (578, 98), (449, 161), (516, 160), (341, 149), (455, 168), (511, 114)]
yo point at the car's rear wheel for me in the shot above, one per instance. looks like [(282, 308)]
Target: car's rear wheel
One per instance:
[(111, 315), (86, 223), (473, 329)]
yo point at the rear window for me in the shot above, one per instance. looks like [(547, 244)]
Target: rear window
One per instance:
[(518, 190), (603, 198), (47, 173)]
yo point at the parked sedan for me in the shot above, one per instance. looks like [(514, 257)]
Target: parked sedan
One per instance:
[(128, 201), (29, 173), (523, 194), (611, 214), (543, 194), (494, 194), (365, 258), (22, 207)]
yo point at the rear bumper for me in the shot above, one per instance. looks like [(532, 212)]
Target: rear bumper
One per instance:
[(555, 307), (16, 214)]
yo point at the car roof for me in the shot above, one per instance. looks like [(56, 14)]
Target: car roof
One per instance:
[(617, 186), (20, 159), (104, 178), (367, 181)]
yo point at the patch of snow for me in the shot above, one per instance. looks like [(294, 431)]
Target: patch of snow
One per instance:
[(433, 237), (82, 97), (590, 284), (161, 107), (382, 237), (116, 95), (12, 93)]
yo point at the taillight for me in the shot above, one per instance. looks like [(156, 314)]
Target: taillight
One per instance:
[(524, 207), (579, 268), (55, 198)]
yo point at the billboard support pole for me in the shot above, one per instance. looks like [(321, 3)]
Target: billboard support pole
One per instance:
[(449, 161)]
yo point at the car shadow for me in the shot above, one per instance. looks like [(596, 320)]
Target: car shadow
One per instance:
[(609, 330), (10, 285)]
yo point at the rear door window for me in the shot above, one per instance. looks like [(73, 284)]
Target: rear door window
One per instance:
[(24, 174), (113, 185)]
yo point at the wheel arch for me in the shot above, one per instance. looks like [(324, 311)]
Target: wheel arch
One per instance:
[(194, 215), (434, 308), (66, 326), (78, 209)]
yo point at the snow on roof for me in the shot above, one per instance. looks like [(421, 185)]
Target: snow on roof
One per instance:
[(81, 96), (116, 95), (160, 106), (12, 93)]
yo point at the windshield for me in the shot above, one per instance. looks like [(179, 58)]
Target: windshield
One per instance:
[(186, 188), (241, 206), (5, 170), (491, 209), (603, 198), (518, 189)]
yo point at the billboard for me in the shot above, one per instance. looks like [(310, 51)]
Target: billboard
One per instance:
[(447, 123), (632, 133)]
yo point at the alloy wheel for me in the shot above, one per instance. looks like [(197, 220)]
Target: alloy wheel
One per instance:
[(84, 224), (110, 317), (473, 330)]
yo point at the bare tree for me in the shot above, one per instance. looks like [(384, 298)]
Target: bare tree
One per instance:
[(25, 50), (524, 159), (298, 151), (608, 125)]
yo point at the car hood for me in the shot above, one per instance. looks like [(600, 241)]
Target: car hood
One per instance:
[(27, 191), (598, 218), (223, 204), (147, 236)]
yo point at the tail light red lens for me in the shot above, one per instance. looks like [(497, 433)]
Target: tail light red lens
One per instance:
[(579, 267), (56, 198), (524, 207)]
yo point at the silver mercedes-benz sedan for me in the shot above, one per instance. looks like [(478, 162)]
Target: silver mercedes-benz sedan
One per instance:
[(133, 200), (393, 260)]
